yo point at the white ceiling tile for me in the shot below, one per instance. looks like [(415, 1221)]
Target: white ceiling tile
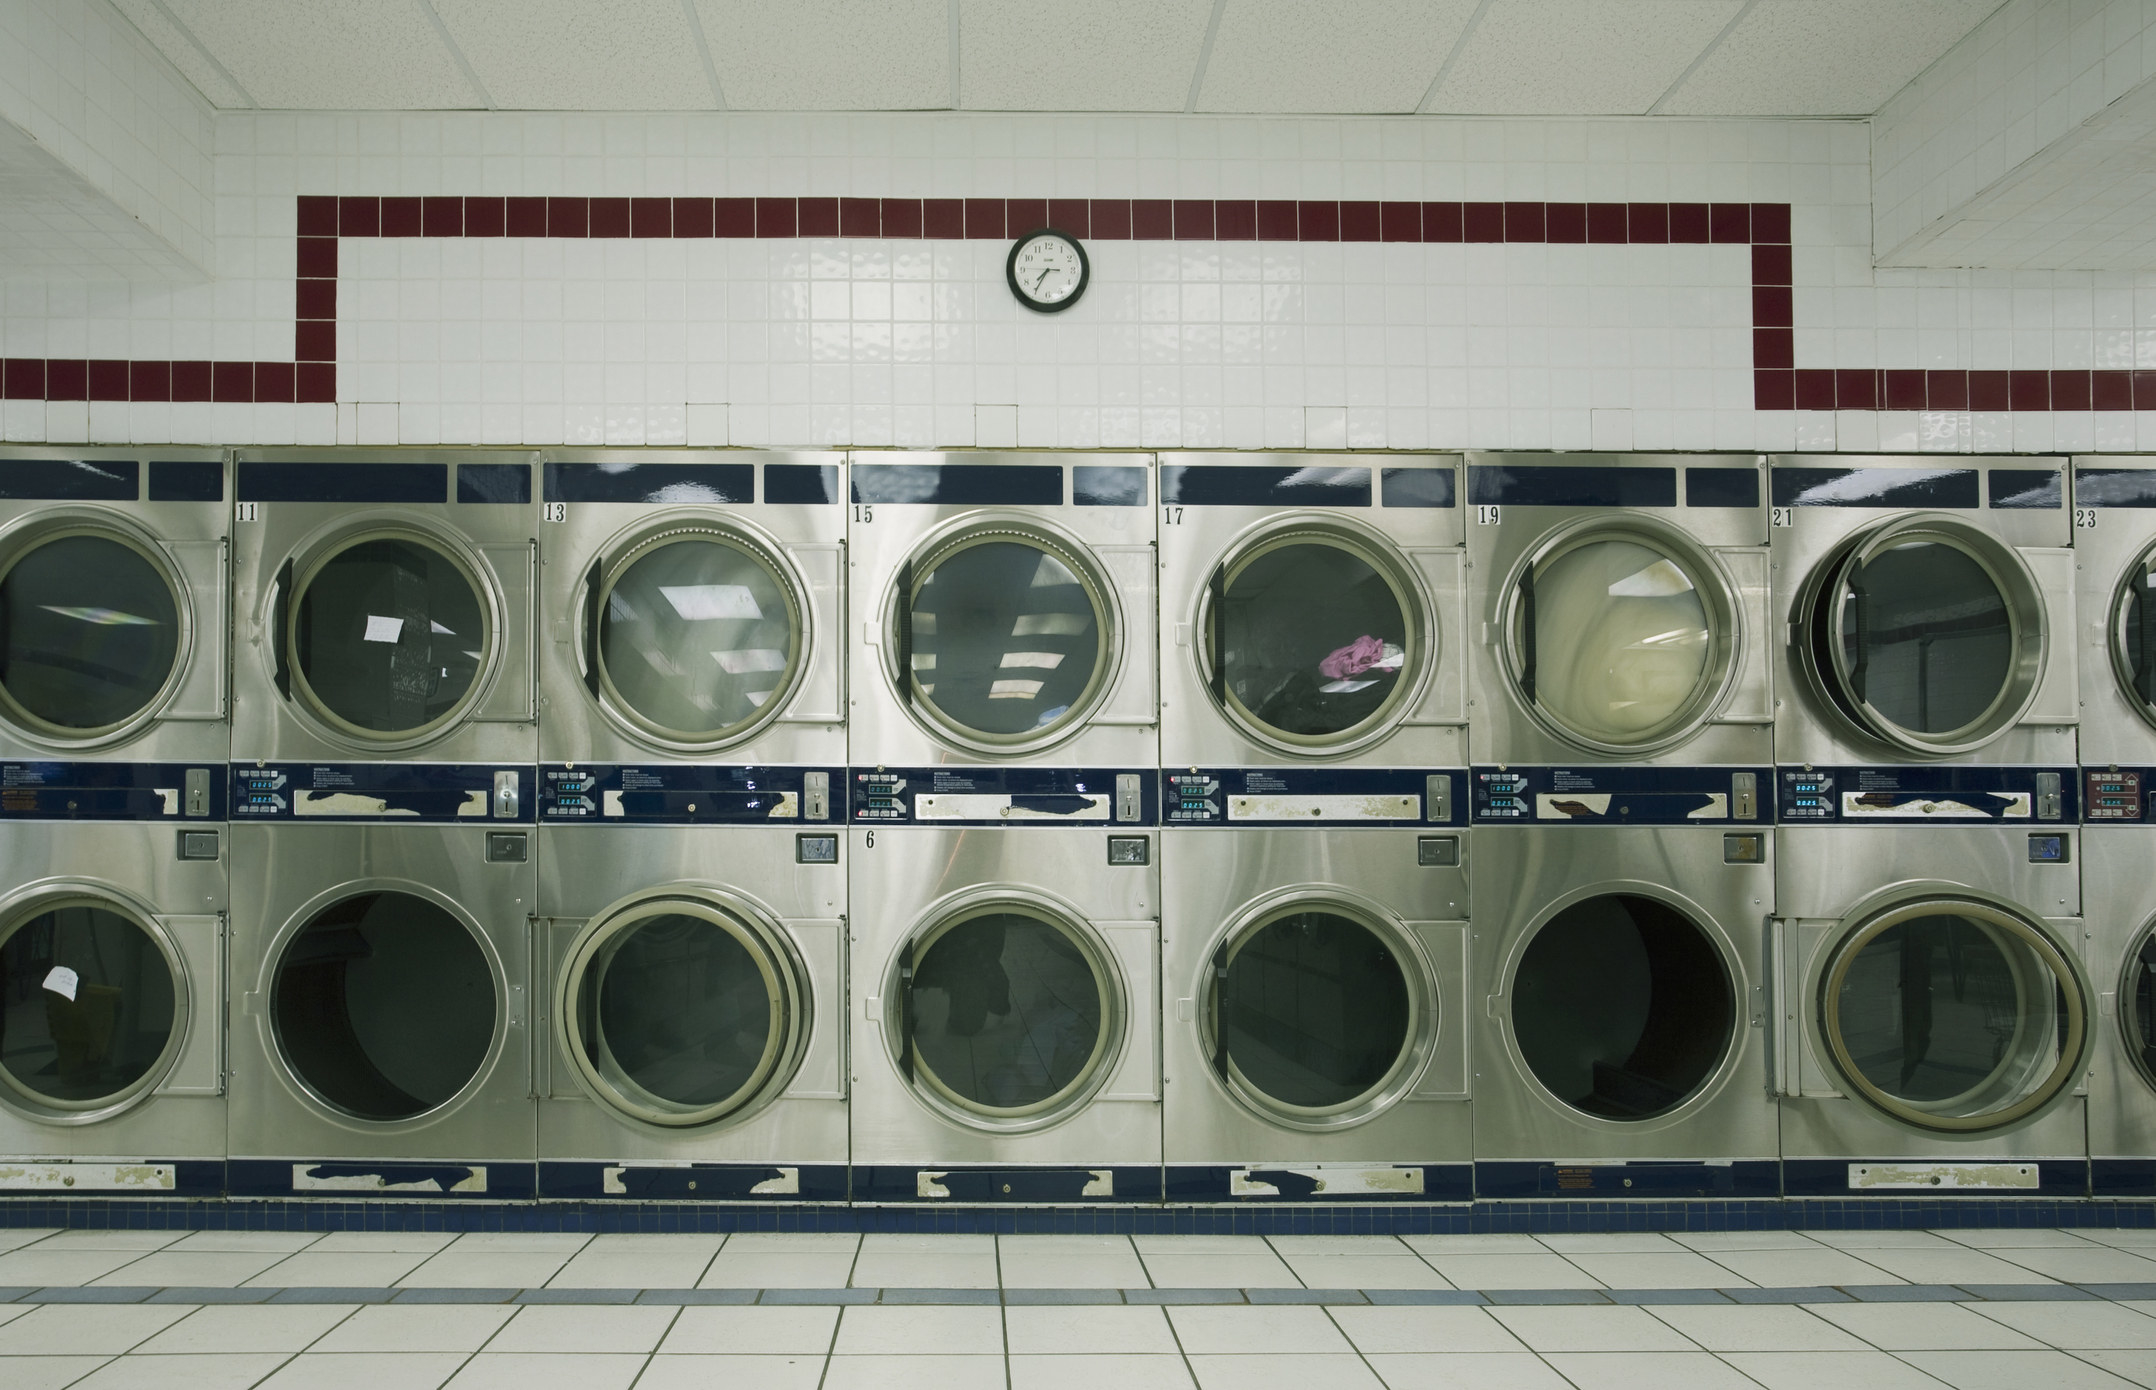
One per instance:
[(1317, 56), (1578, 57), (330, 55), (1823, 57), (168, 40), (830, 55), (1079, 55), (581, 55)]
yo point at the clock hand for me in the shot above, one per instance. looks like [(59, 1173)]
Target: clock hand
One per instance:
[(1043, 277)]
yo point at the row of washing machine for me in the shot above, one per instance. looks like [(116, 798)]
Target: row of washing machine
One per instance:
[(1085, 828)]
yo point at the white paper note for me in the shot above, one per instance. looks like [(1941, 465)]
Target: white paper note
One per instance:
[(62, 981), (381, 629)]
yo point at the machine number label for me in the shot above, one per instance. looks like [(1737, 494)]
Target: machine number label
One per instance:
[(1487, 515), (1782, 516), (864, 514), (869, 841), (247, 511), (555, 511), (2085, 518), (1171, 516)]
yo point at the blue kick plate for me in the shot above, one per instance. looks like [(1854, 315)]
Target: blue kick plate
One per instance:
[(421, 793), (578, 1180), (1591, 794), (1927, 795), (689, 794), (1102, 798), (1316, 798), (111, 791)]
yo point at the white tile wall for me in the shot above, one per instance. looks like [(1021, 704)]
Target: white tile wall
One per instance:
[(1238, 345)]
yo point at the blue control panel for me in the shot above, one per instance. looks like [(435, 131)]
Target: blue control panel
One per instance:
[(1321, 798), (111, 791), (1592, 794), (1926, 795), (2118, 795), (427, 793), (688, 794), (1101, 797)]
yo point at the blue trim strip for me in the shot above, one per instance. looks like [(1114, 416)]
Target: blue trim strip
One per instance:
[(509, 483), (801, 484), (106, 792), (1570, 485), (960, 484), (1259, 485), (2115, 487), (261, 481), (187, 480), (1912, 489), (69, 480), (651, 484)]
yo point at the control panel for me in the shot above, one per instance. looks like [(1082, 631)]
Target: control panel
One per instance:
[(2117, 794), (1926, 795), (427, 793), (685, 794), (1105, 797), (1318, 797), (1612, 795), (111, 791)]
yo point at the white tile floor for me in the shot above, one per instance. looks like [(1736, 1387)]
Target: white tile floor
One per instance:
[(1196, 1313)]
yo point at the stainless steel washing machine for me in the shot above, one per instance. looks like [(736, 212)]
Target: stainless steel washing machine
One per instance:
[(112, 991), (1005, 944), (383, 605), (2120, 903), (1006, 610), (1620, 949), (1933, 1009), (1314, 998), (1312, 611), (1928, 607), (114, 567), (694, 607), (1623, 601), (694, 1004), (382, 972)]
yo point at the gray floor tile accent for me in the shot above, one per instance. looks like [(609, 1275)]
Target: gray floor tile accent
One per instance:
[(577, 1296), (2120, 1292), (9, 1295), (1817, 1293), (1442, 1298), (819, 1296), (326, 1294), (455, 1295), (941, 1296), (2029, 1293), (104, 1293), (1645, 1296), (1545, 1296), (212, 1295), (1182, 1295), (1023, 1297), (696, 1298), (1303, 1295), (1906, 1293)]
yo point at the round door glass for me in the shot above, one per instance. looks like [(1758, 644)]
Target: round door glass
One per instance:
[(89, 634), (1314, 1013), (1622, 1007), (2140, 996), (1620, 639), (680, 1016), (696, 635), (1952, 1019), (2136, 638), (1006, 638), (1009, 1014), (385, 1006), (1926, 637), (88, 1004), (1310, 640), (389, 636)]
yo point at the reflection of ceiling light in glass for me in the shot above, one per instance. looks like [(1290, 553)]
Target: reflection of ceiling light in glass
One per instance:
[(100, 617), (924, 661), (1680, 636), (1046, 661), (659, 661), (757, 697), (1014, 690), (619, 610), (924, 624), (698, 603), (1659, 580), (1050, 573), (433, 626), (1050, 625), (740, 663)]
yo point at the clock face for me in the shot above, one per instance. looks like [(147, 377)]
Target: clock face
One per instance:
[(1047, 271)]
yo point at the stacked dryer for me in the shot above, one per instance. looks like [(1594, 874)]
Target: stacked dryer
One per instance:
[(2114, 501), (1932, 1004), (113, 737), (1622, 736), (1314, 938), (691, 972), (383, 881)]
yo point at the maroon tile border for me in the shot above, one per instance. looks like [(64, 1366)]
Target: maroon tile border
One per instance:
[(1778, 383)]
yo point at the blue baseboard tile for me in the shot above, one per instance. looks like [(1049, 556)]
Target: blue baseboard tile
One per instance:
[(1830, 1177), (577, 1181), (1650, 1180)]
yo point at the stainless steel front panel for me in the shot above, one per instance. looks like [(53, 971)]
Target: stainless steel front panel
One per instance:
[(1829, 880), (1525, 880), (284, 877), (906, 881), (2114, 549), (1215, 881), (2120, 906), (135, 871), (590, 872)]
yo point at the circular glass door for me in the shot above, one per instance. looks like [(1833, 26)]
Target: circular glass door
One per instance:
[(698, 638), (388, 637), (1622, 639), (1311, 640), (384, 1006), (1622, 1007), (1952, 1015), (91, 1006), (1315, 1016), (679, 1013), (1010, 1016), (2133, 635), (89, 635), (1004, 639), (1928, 636), (2138, 994)]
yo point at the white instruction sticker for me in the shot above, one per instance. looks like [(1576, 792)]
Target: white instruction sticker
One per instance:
[(62, 981), (381, 629)]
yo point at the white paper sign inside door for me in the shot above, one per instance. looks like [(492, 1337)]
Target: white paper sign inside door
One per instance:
[(381, 629), (63, 982)]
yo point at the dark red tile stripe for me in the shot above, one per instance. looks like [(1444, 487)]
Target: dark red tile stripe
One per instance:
[(1778, 383)]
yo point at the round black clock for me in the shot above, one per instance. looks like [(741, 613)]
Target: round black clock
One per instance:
[(1047, 271)]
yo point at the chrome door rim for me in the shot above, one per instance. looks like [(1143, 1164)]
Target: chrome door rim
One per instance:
[(2130, 1018), (2142, 575)]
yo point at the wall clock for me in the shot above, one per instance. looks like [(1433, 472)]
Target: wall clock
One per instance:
[(1047, 271)]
